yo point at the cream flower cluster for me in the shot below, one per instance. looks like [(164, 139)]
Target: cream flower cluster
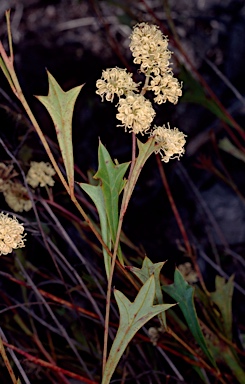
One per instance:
[(40, 174), (115, 81), (150, 50), (166, 88), (16, 196), (136, 113), (11, 234), (170, 142)]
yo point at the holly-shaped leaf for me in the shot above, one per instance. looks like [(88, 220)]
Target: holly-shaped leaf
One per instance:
[(132, 317), (222, 297), (96, 194), (183, 293), (149, 268), (60, 106), (112, 181)]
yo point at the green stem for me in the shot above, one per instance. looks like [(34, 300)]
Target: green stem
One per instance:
[(128, 190)]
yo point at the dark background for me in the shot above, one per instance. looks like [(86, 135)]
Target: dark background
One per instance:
[(75, 41)]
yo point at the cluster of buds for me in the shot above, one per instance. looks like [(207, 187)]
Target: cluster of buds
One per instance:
[(15, 194), (150, 50)]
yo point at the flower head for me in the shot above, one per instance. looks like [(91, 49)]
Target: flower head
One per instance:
[(11, 234), (16, 196), (170, 141), (40, 174), (166, 88), (150, 49), (136, 113), (115, 81)]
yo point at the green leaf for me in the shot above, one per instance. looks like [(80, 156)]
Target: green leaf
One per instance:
[(228, 147), (145, 151), (183, 293), (132, 317), (225, 354), (96, 194), (233, 363), (112, 183), (149, 268), (222, 297), (6, 72), (60, 106)]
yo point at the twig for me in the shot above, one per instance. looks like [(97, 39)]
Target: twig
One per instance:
[(173, 206)]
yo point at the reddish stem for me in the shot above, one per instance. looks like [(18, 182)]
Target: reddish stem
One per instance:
[(46, 364), (173, 206)]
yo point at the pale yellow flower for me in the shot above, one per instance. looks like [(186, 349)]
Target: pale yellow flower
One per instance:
[(115, 81), (136, 113), (188, 273), (6, 173), (166, 88), (150, 49), (16, 196), (40, 174), (171, 142), (11, 234)]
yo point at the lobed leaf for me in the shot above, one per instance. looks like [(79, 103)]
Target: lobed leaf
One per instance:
[(132, 317), (60, 106), (222, 297), (149, 268)]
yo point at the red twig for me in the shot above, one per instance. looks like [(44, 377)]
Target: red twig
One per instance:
[(46, 364), (173, 206)]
